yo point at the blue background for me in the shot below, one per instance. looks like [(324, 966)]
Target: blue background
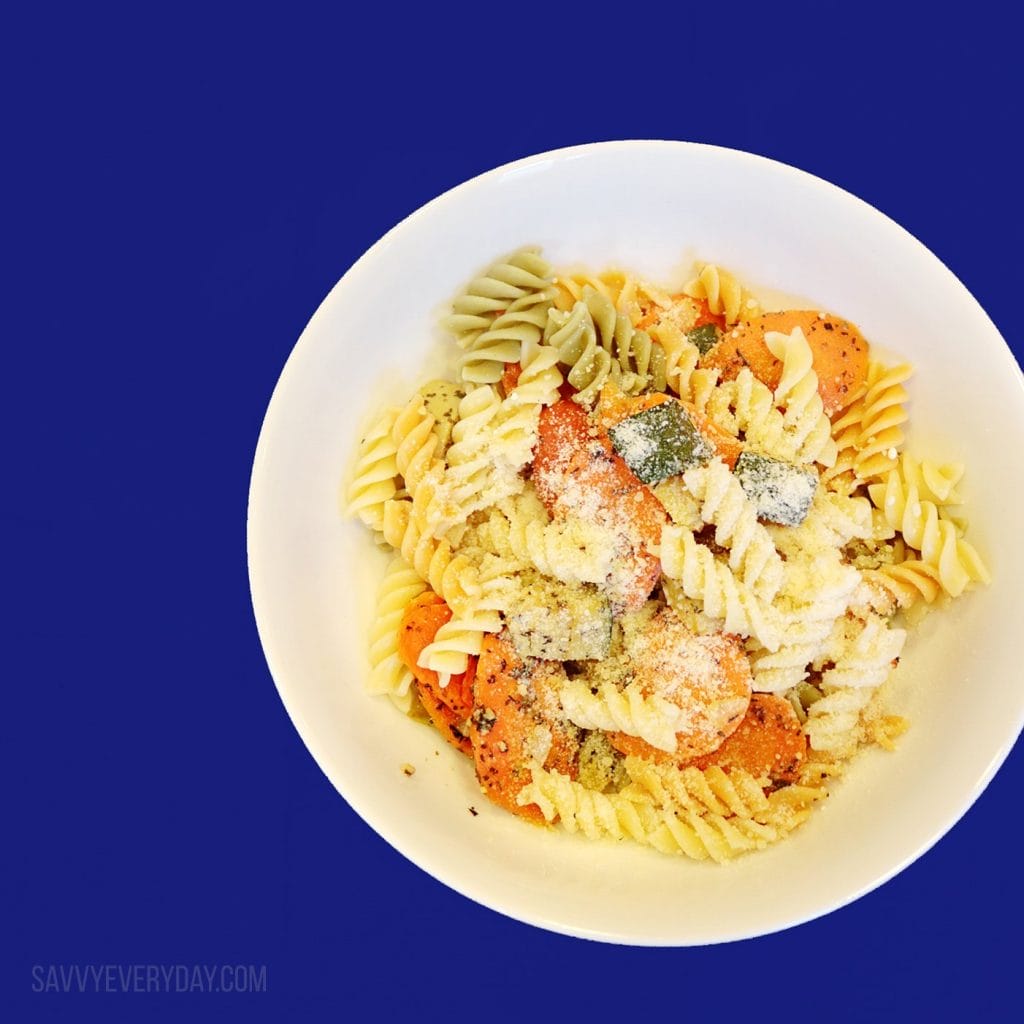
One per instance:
[(181, 189)]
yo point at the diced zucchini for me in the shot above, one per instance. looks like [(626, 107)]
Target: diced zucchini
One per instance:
[(704, 337), (781, 492), (559, 621), (660, 442)]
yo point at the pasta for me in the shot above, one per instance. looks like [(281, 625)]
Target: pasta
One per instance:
[(657, 553), (724, 505), (723, 292), (926, 528), (376, 471), (869, 434), (595, 342), (522, 277), (388, 674)]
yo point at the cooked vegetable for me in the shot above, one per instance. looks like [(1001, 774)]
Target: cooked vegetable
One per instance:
[(839, 352), (613, 407), (781, 492), (660, 442), (517, 720), (768, 743), (704, 337), (707, 676), (450, 706), (577, 471)]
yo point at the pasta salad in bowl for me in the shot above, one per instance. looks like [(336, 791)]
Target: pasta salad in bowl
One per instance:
[(639, 557)]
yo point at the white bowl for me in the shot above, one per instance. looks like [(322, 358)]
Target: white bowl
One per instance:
[(652, 207)]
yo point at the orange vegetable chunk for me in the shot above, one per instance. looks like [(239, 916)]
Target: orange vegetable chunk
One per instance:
[(517, 719), (838, 349), (448, 707)]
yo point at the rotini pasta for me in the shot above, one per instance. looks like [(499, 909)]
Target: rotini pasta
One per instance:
[(724, 505), (629, 710), (925, 528), (524, 277), (376, 471), (723, 292), (679, 546), (388, 674), (869, 435), (595, 342), (704, 578)]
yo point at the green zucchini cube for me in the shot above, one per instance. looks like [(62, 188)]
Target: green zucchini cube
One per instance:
[(781, 492), (704, 337), (660, 442)]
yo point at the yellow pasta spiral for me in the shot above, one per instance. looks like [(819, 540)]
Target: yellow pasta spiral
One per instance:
[(376, 469), (925, 528), (723, 293)]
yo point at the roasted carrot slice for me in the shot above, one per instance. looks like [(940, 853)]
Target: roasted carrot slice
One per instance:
[(839, 352), (769, 741), (448, 707), (708, 677), (727, 447), (563, 430), (613, 406), (517, 719), (575, 469)]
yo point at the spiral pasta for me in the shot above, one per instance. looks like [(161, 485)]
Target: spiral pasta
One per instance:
[(724, 505), (375, 473), (451, 575), (570, 549), (833, 722), (746, 405), (926, 529), (501, 343), (723, 292), (908, 582), (629, 710), (523, 277), (388, 673), (805, 424), (569, 287), (539, 377), (863, 653), (415, 441), (678, 830), (702, 577), (628, 294), (869, 434), (736, 792), (683, 375), (491, 442), (818, 590), (641, 362), (457, 639), (832, 521), (596, 343)]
